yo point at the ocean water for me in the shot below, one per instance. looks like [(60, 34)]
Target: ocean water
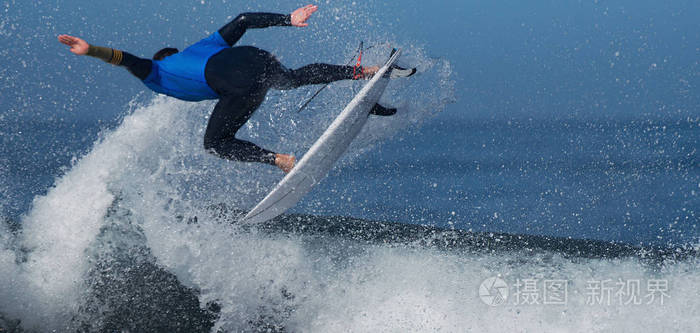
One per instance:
[(541, 175)]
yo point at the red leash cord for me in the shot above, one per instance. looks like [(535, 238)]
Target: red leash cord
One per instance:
[(358, 64)]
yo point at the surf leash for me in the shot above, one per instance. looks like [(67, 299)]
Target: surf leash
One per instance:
[(355, 75), (358, 64)]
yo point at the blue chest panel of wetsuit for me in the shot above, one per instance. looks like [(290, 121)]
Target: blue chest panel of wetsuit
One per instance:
[(181, 75)]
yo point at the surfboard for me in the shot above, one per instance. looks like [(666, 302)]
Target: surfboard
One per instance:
[(323, 154)]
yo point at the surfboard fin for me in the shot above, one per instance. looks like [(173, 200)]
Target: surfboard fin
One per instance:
[(379, 110), (398, 71)]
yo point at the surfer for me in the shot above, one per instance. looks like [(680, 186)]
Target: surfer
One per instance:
[(238, 76)]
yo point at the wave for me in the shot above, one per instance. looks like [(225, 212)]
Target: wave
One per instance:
[(314, 273), (136, 236)]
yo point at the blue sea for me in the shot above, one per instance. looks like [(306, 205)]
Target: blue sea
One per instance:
[(541, 174)]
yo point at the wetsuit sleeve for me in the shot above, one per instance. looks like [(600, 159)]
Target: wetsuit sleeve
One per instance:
[(139, 67), (234, 30)]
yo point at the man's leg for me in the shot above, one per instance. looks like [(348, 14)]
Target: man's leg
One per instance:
[(283, 78), (230, 113)]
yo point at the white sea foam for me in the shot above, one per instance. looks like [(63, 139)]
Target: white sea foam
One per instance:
[(63, 223), (340, 286)]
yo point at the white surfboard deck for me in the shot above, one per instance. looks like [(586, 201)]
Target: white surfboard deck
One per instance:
[(316, 163)]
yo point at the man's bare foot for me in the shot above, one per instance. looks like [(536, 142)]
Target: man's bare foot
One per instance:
[(367, 72), (285, 162)]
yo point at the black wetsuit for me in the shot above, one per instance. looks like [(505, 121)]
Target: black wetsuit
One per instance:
[(241, 77)]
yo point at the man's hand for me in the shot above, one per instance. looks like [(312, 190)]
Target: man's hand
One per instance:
[(302, 14), (77, 45)]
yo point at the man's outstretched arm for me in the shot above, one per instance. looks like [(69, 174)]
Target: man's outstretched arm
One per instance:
[(140, 67), (234, 30)]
